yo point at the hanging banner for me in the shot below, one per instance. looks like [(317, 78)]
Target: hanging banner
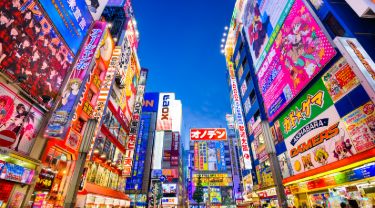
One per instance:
[(299, 52), (62, 117)]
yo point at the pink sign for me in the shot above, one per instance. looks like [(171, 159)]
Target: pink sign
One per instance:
[(299, 52)]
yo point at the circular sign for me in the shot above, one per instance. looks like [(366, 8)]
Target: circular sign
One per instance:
[(162, 178), (7, 138)]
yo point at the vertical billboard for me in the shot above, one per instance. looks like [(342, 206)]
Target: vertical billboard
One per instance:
[(298, 53), (164, 118), (20, 117), (239, 119), (71, 18), (158, 150), (26, 39), (262, 20), (134, 125), (61, 118)]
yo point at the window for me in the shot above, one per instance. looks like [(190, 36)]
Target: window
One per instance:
[(243, 88), (334, 25), (257, 115), (241, 48), (244, 62), (247, 105), (248, 78), (240, 72), (252, 97)]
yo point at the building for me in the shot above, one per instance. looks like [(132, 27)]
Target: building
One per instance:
[(211, 160), (280, 80)]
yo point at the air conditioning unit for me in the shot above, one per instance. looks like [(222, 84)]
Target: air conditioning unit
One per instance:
[(363, 8)]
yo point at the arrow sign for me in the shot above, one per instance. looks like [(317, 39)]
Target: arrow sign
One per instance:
[(7, 138)]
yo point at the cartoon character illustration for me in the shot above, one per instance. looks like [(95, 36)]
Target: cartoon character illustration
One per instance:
[(258, 31), (93, 5), (6, 109), (321, 155), (306, 161), (70, 95), (343, 148)]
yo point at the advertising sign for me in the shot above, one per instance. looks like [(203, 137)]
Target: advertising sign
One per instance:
[(306, 108), (208, 134), (61, 118), (360, 124), (170, 188), (215, 195), (299, 52), (71, 18), (20, 117), (158, 150), (212, 156), (169, 200), (240, 122), (150, 102), (45, 180), (220, 156), (262, 20), (164, 119), (285, 169), (23, 59), (218, 179), (96, 7), (196, 156), (361, 63), (340, 80)]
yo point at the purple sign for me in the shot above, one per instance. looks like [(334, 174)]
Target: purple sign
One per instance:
[(61, 118)]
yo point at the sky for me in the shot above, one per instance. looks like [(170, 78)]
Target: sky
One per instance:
[(180, 45)]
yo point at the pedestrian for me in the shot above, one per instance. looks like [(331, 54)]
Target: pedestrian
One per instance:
[(343, 205)]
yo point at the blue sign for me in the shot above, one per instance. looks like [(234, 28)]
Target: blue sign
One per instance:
[(150, 102), (162, 178), (71, 18)]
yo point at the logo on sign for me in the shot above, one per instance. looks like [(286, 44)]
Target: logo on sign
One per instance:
[(165, 109)]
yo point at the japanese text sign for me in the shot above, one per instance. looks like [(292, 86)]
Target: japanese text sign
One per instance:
[(208, 134)]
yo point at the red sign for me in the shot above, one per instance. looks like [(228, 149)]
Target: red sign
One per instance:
[(208, 134), (7, 138)]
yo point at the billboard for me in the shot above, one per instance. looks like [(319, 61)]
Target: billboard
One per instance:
[(360, 125), (262, 20), (169, 188), (164, 118), (23, 49), (361, 63), (20, 117), (215, 195), (218, 179), (150, 102), (239, 119), (340, 80), (299, 52), (71, 18), (96, 7), (158, 150), (208, 134), (61, 118), (169, 200)]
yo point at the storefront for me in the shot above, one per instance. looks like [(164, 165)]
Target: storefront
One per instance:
[(100, 201), (16, 174)]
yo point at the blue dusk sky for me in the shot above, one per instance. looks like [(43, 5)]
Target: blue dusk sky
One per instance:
[(180, 45)]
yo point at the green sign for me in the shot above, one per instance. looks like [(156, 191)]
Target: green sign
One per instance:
[(306, 108)]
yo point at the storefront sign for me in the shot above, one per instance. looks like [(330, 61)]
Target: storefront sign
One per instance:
[(293, 60), (39, 199), (169, 188), (208, 134), (213, 179), (360, 124), (304, 110), (45, 180), (169, 200), (150, 102), (12, 172), (262, 21), (71, 18), (361, 63), (62, 117), (340, 80), (240, 122)]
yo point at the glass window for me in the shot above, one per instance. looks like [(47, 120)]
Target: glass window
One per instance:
[(334, 25)]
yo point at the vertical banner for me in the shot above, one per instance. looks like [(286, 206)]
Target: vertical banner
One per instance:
[(196, 155), (164, 118), (61, 118), (239, 119)]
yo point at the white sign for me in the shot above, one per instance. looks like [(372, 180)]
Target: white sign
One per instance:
[(237, 111), (361, 63), (164, 119), (169, 200), (363, 8)]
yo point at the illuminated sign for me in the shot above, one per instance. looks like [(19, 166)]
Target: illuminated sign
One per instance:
[(219, 179), (208, 134), (237, 111), (164, 119)]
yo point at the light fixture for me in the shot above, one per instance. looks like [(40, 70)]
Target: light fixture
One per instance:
[(224, 34), (226, 27), (109, 25), (222, 40), (222, 51)]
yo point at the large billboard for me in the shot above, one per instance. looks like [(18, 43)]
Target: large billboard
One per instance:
[(158, 150), (26, 39), (262, 20), (61, 118), (150, 102), (71, 18), (208, 134), (299, 52), (20, 117), (209, 156), (217, 179), (164, 118), (239, 119)]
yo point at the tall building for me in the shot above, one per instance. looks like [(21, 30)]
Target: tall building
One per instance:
[(211, 161), (287, 66)]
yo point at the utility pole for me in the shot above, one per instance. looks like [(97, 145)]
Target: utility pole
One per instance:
[(274, 163)]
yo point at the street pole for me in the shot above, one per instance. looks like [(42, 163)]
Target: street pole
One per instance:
[(274, 163)]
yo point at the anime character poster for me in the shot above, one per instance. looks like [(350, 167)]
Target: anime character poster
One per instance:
[(360, 124), (340, 80), (330, 142), (299, 52), (18, 115), (96, 7), (31, 52), (262, 19)]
